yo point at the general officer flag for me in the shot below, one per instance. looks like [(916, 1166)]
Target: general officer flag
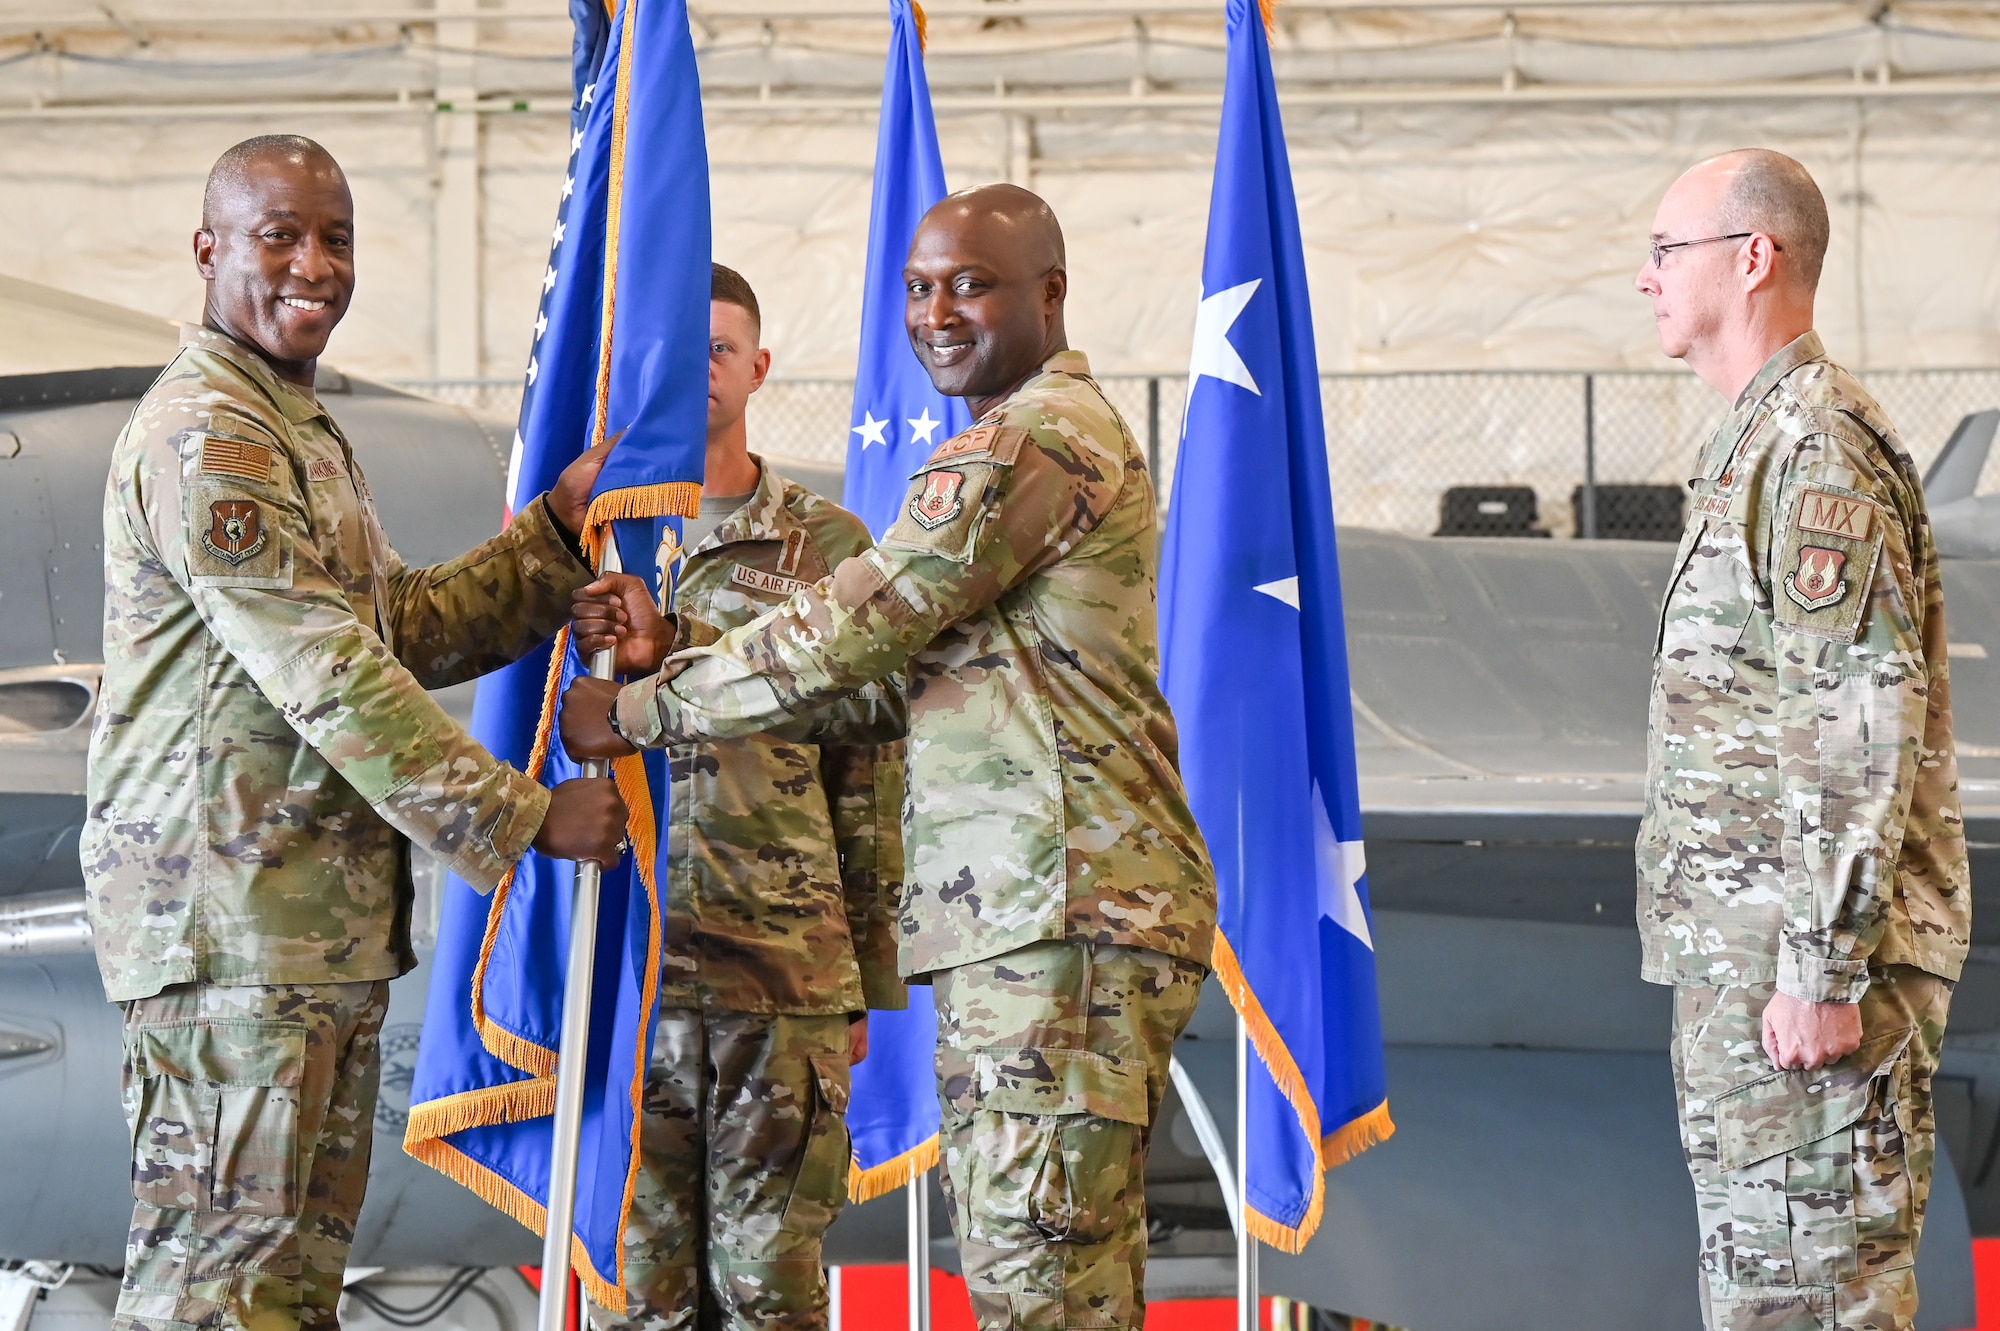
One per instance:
[(620, 351), (1255, 665), (899, 420)]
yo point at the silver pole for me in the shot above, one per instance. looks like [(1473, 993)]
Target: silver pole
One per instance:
[(552, 1312), (1246, 1245), (920, 1252)]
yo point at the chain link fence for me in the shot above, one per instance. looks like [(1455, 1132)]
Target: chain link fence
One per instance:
[(1397, 442)]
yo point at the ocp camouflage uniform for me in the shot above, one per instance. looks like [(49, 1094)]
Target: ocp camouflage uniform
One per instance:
[(1044, 816), (783, 863), (263, 747), (1802, 833)]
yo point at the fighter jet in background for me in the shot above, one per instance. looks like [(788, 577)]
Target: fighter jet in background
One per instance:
[(1500, 695)]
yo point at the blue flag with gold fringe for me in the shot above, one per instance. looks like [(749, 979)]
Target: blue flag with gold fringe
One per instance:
[(899, 419), (1255, 664), (620, 351)]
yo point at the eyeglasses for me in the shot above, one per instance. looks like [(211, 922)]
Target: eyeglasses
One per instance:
[(1660, 252)]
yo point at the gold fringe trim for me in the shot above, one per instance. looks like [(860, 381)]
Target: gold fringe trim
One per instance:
[(524, 1210), (923, 27), (1268, 10), (1284, 1070), (865, 1185), (1371, 1129), (516, 1102), (661, 499), (614, 207)]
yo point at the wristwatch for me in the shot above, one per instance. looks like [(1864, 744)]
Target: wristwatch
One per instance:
[(612, 718)]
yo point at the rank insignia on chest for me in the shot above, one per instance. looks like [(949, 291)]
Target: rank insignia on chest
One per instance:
[(795, 549), (235, 530), (1815, 581), (939, 502)]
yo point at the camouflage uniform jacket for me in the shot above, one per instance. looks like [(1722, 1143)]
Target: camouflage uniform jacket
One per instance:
[(1802, 818), (784, 859), (1017, 588), (263, 741)]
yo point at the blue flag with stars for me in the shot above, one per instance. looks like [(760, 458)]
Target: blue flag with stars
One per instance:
[(620, 351), (899, 419), (1255, 664)]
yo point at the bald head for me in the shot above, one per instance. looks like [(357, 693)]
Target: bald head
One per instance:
[(241, 169), (1761, 190), (986, 278)]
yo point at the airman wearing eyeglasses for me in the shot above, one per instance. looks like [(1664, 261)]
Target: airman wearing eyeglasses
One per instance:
[(1802, 868)]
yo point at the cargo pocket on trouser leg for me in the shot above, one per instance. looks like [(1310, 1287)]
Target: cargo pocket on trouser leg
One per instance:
[(774, 1278), (1787, 1147), (214, 1164), (1046, 1188)]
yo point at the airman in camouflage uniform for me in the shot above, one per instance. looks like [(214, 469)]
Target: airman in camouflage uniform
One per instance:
[(263, 751), (779, 897), (1057, 891), (1802, 846)]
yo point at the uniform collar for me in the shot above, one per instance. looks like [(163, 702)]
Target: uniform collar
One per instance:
[(1801, 350), (764, 516), (1071, 362), (298, 404)]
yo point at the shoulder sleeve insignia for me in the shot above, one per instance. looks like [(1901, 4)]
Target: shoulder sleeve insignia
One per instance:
[(1827, 564), (1833, 514), (235, 530), (939, 501), (975, 440), (222, 456)]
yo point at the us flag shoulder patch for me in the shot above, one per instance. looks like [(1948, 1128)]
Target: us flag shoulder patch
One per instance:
[(221, 456)]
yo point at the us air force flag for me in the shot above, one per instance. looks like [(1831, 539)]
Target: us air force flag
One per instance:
[(1255, 665), (619, 349), (899, 419)]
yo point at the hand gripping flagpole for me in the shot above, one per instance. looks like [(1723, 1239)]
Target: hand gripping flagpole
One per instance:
[(552, 1313)]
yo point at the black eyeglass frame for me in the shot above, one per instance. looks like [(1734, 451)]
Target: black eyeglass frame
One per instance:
[(1662, 251)]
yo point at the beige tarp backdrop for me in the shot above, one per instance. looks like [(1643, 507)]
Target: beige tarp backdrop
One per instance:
[(1441, 235)]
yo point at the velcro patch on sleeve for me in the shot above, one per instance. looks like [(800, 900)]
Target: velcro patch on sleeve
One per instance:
[(1827, 564), (233, 540), (223, 456), (995, 443)]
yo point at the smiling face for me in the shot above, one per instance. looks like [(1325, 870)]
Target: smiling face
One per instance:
[(277, 251), (985, 287)]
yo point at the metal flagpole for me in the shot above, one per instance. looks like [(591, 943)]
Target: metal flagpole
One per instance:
[(553, 1309), (920, 1252), (1246, 1244)]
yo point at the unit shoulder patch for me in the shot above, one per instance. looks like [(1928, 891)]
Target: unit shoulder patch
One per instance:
[(224, 456), (1827, 563), (232, 542), (939, 501)]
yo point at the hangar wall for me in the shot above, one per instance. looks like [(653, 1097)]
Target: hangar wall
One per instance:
[(1475, 183)]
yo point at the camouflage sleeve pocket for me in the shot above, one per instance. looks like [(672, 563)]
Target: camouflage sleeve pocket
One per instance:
[(1053, 1158), (218, 1120), (235, 539), (1827, 563), (959, 487)]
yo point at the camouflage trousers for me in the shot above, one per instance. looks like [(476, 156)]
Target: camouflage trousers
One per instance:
[(252, 1111), (743, 1159), (1051, 1062), (1811, 1184)]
